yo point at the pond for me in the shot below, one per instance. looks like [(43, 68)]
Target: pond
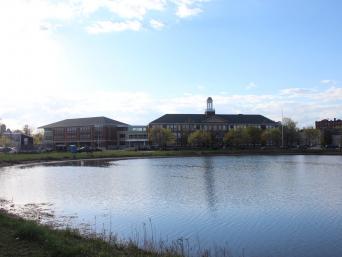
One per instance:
[(255, 205)]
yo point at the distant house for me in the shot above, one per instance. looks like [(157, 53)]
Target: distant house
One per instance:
[(331, 131), (99, 132), (19, 140), (218, 124), (329, 124)]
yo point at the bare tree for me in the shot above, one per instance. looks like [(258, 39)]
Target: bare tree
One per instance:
[(27, 130)]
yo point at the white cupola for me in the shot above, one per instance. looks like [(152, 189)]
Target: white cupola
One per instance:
[(210, 107)]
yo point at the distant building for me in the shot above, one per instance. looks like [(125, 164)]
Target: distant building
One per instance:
[(135, 136), (336, 139), (329, 124), (19, 140), (99, 132), (218, 124), (331, 131)]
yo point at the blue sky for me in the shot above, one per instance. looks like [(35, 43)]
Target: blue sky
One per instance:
[(134, 60)]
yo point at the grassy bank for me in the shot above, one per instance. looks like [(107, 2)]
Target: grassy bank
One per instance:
[(22, 238), (58, 156), (11, 159)]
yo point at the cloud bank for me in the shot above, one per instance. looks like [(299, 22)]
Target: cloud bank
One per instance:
[(143, 107), (116, 15)]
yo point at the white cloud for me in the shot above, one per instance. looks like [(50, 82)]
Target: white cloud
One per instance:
[(188, 8), (50, 14), (331, 94), (156, 24), (109, 26), (328, 82), (184, 11), (297, 92), (251, 85), (138, 9), (127, 9), (130, 9)]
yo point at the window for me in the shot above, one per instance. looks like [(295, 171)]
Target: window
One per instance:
[(139, 129), (59, 131), (84, 130), (71, 130)]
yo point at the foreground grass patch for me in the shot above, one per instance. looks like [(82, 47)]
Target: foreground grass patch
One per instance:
[(19, 237)]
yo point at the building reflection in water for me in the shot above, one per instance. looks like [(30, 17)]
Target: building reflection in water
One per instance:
[(209, 180)]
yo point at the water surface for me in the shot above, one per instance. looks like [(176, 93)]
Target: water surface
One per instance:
[(262, 205)]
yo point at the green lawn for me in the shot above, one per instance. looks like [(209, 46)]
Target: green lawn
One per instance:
[(8, 159), (20, 157), (24, 157)]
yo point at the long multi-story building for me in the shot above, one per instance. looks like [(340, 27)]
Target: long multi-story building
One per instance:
[(99, 132), (218, 124)]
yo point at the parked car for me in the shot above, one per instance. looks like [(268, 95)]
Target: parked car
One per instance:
[(331, 146), (315, 147), (85, 149), (88, 149), (9, 150), (6, 149), (14, 150)]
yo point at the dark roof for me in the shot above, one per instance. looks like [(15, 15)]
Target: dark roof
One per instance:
[(199, 118), (83, 122)]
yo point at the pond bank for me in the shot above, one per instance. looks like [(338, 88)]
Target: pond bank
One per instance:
[(24, 158), (19, 237)]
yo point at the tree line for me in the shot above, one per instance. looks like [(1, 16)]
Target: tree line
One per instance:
[(287, 135)]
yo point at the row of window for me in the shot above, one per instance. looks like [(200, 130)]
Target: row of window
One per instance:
[(179, 127), (138, 129), (140, 136), (73, 130)]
